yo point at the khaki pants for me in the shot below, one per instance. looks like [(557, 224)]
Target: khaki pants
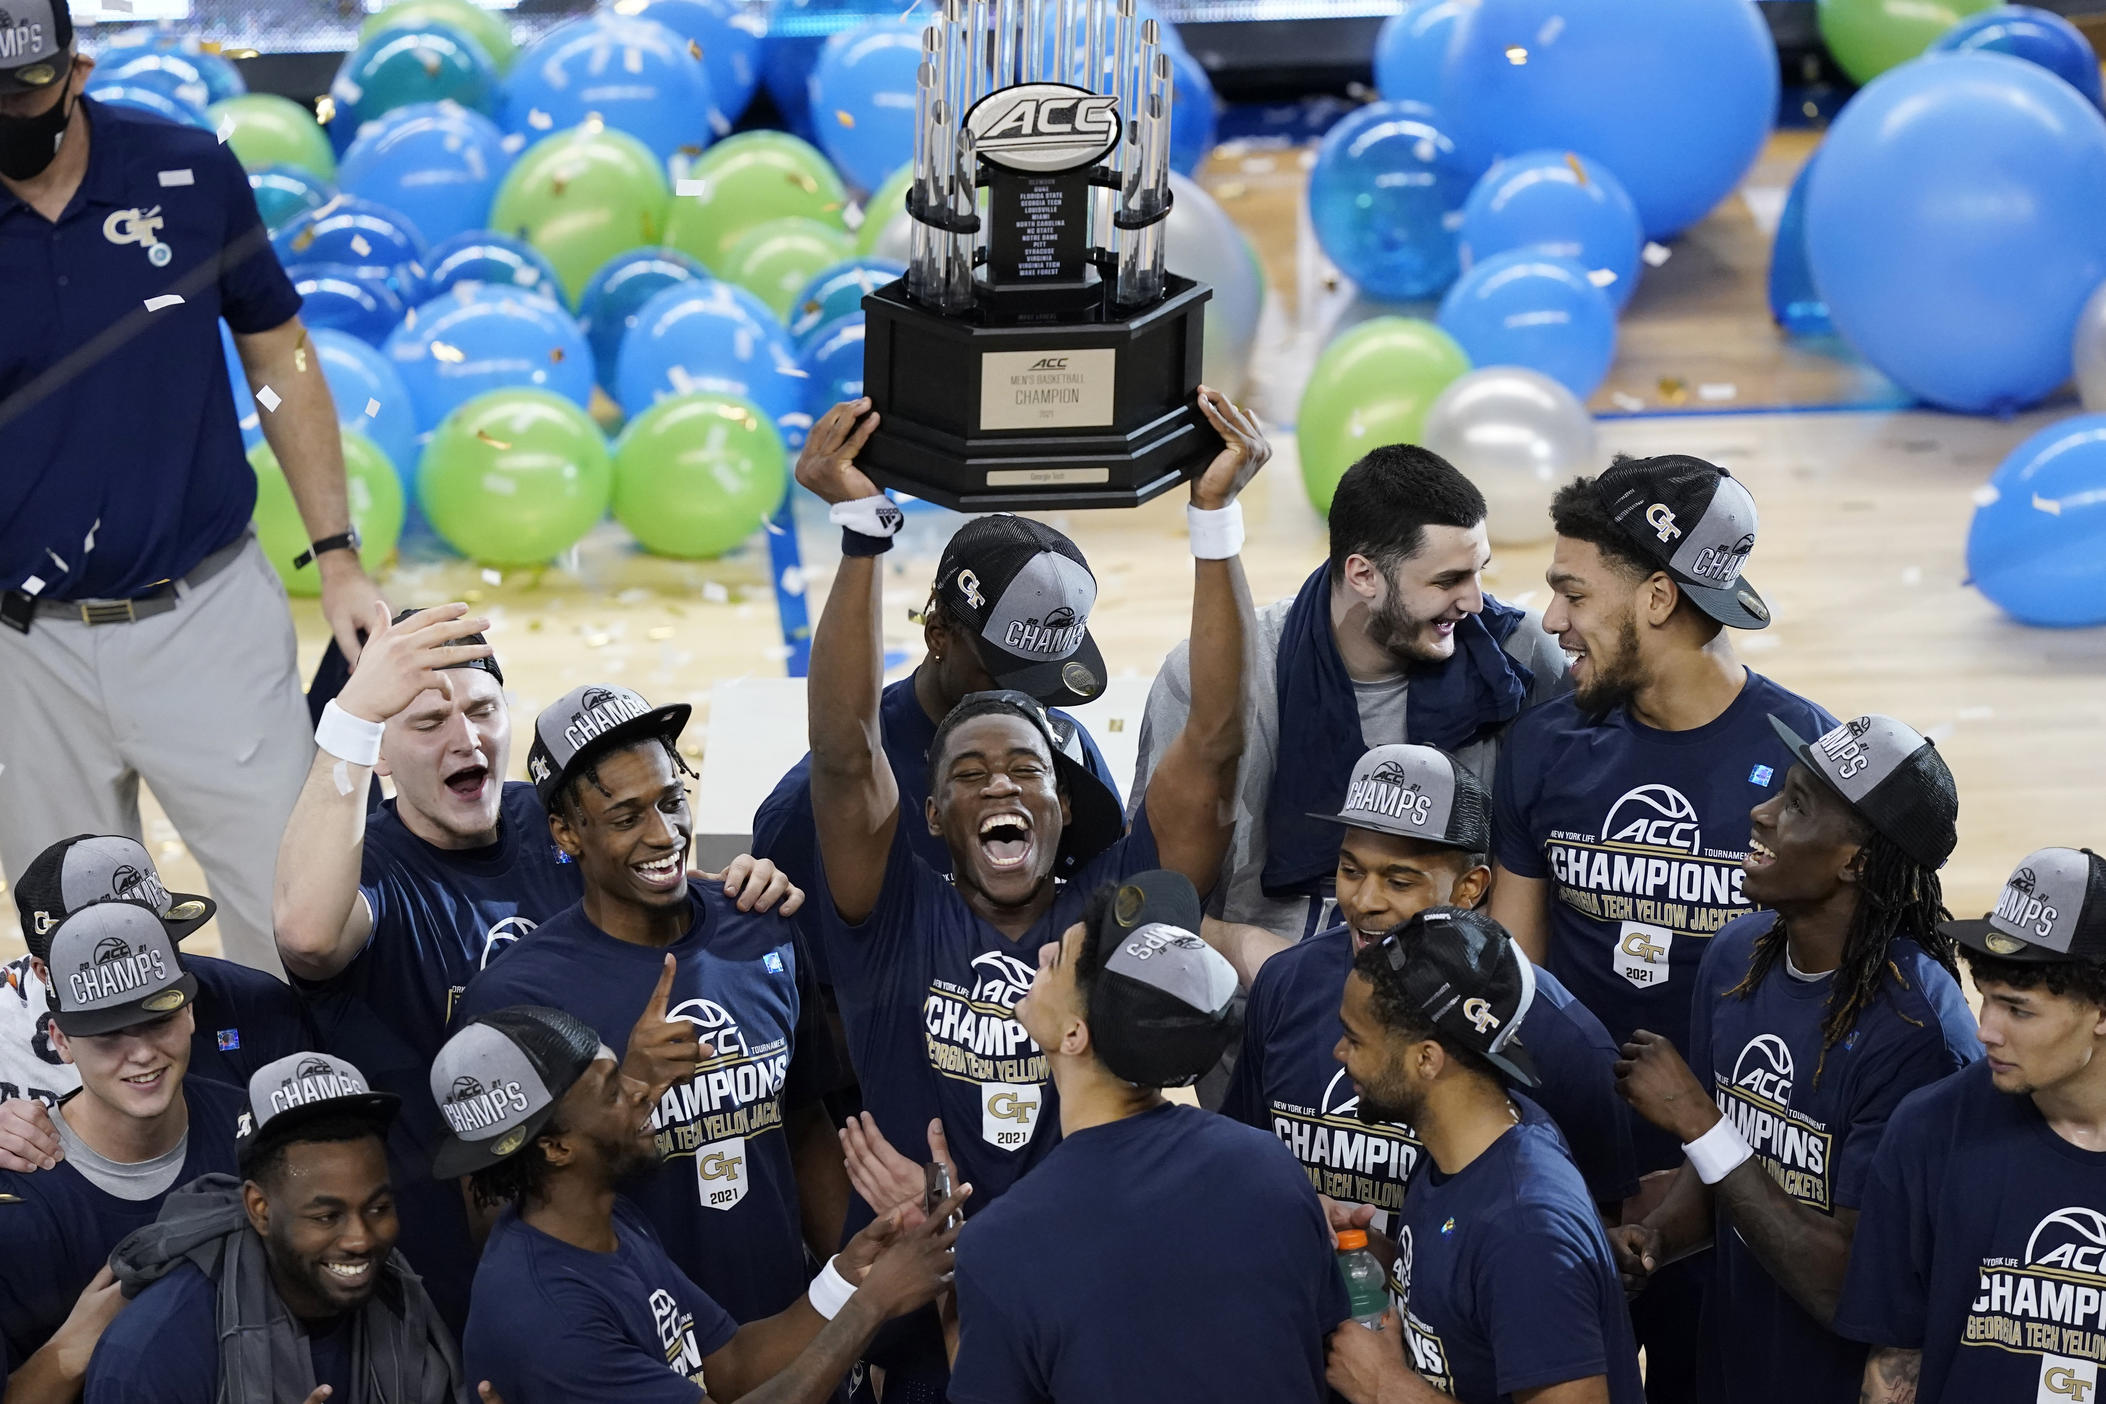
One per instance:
[(203, 702)]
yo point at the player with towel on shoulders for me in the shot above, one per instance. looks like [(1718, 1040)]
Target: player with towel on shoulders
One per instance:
[(1814, 1018)]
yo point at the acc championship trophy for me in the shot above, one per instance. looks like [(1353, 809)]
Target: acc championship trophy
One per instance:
[(1019, 364)]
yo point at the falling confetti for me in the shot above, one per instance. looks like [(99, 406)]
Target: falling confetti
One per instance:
[(1516, 55), (325, 109), (803, 181), (1715, 391), (540, 121), (178, 177), (493, 577), (1629, 404), (555, 353), (447, 352), (694, 188), (845, 118), (496, 443), (226, 129), (1579, 172), (359, 246), (598, 640), (659, 634), (694, 50), (268, 398), (1985, 495), (1673, 390), (1655, 254), (2047, 504), (1602, 277), (372, 409), (303, 240), (715, 593), (155, 304)]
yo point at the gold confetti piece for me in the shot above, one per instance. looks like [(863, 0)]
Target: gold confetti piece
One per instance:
[(447, 352), (238, 53), (303, 240), (1673, 390), (372, 409), (472, 596), (1516, 55), (811, 305), (834, 206), (533, 626), (555, 353), (210, 46), (486, 437), (1579, 172), (430, 61), (691, 152), (598, 640), (694, 49), (299, 359), (803, 181), (660, 634), (325, 109), (844, 117)]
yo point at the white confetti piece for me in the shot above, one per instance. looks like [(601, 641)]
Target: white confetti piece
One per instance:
[(694, 188), (493, 577), (181, 177), (268, 398), (1715, 390), (360, 247), (1602, 277), (1630, 404), (58, 559), (1912, 575), (1655, 254), (1986, 495), (715, 593), (155, 304), (777, 652), (226, 129), (2047, 504), (792, 580), (33, 586), (87, 543), (500, 484), (372, 409)]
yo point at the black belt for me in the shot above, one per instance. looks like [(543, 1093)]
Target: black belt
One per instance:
[(158, 600)]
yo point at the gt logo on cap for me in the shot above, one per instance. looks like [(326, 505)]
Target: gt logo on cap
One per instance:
[(1662, 518), (1479, 1012)]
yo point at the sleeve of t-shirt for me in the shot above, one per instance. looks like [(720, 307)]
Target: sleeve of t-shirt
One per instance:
[(1880, 1087), (996, 1361), (1245, 1098), (254, 293), (565, 1345), (1540, 1297), (908, 888), (1887, 1287), (1513, 840), (162, 1348)]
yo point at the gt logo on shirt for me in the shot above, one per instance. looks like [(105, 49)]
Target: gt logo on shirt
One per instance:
[(1007, 1106), (676, 1335), (1009, 1114), (135, 226), (2068, 1381), (720, 1173), (2051, 1303)]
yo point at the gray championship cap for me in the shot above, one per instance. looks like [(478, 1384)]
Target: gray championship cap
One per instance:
[(498, 1080), (1465, 974), (2052, 908), (1026, 592), (1697, 522), (1417, 792), (113, 964), (300, 1089), (1892, 777), (1163, 1005), (87, 868), (586, 722), (33, 39)]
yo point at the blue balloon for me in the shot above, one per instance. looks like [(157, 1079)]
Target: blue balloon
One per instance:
[(1795, 302), (699, 337), (283, 193), (834, 362), (398, 67), (361, 301), (637, 75), (1957, 222), (1193, 119), (2038, 547), (360, 234), (371, 398), (1558, 203), (729, 35), (608, 305), (836, 293), (199, 79), (477, 338), (863, 99), (797, 30), (1386, 198), (480, 256), (1676, 98), (160, 104), (1523, 308), (2035, 35), (1412, 48), (246, 415), (436, 163)]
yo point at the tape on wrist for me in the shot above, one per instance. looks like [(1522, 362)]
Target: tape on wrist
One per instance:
[(1216, 535), (854, 543), (868, 516), (346, 737), (1718, 1152), (829, 1291)]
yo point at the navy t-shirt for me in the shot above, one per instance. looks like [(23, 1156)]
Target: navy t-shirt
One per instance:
[(163, 1348), (1287, 1081), (130, 471), (1814, 1121), (556, 1324), (1640, 834), (1982, 1243), (57, 1228), (1169, 1255), (724, 1202), (1507, 1277), (928, 993)]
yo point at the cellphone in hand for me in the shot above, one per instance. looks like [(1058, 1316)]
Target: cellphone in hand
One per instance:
[(936, 1185)]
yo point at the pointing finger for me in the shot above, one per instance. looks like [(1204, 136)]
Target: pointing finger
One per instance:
[(663, 991)]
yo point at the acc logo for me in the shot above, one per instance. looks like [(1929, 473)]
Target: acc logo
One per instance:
[(19, 39), (1008, 1106), (1002, 979), (1662, 520), (712, 1022), (1043, 127), (1654, 816), (1479, 1013), (501, 935), (2073, 1239), (1050, 363), (1765, 1069), (2021, 908), (136, 226)]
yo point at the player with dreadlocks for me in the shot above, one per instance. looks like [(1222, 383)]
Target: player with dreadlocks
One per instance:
[(1811, 1021)]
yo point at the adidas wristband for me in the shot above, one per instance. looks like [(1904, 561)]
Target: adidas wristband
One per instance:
[(868, 516), (1718, 1152), (346, 737), (1216, 535), (829, 1291)]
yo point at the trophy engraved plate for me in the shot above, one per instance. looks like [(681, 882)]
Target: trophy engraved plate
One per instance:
[(1060, 390)]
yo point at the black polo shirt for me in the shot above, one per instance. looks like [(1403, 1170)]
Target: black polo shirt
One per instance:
[(124, 463)]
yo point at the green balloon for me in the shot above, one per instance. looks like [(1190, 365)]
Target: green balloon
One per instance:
[(582, 196), (477, 23), (696, 475), (749, 179), (1868, 37), (515, 477), (887, 203), (778, 260), (1370, 387), (264, 129), (374, 492)]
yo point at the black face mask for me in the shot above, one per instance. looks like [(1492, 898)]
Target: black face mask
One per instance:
[(29, 144)]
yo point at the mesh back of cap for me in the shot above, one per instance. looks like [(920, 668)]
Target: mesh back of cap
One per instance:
[(1470, 819), (1916, 807)]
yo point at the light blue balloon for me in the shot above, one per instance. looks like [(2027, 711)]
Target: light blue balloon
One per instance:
[(437, 163), (199, 79), (246, 415), (797, 30), (608, 305), (1957, 222), (2033, 34), (863, 99), (836, 293), (834, 361), (477, 338), (1677, 98), (2038, 548), (636, 74), (358, 233), (1386, 198), (284, 193), (1412, 49), (698, 336), (1524, 308), (1559, 203), (480, 256), (371, 398), (361, 301), (143, 99), (729, 35), (1795, 302)]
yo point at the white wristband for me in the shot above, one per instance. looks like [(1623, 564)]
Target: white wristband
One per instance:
[(1718, 1152), (829, 1291), (347, 737), (868, 516), (1216, 535)]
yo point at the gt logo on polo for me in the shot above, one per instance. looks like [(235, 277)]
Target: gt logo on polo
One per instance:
[(1480, 1014), (1043, 127), (1010, 1107), (718, 1166), (135, 226), (1662, 520)]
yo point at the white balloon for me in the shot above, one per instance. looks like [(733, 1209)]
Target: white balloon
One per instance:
[(2090, 352), (1518, 435)]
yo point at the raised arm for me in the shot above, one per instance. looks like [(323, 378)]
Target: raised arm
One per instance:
[(1191, 795), (1245, 947), (855, 802)]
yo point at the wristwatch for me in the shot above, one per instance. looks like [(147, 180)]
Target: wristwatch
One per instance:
[(342, 541)]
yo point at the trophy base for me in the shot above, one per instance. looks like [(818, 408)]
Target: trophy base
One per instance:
[(990, 412)]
